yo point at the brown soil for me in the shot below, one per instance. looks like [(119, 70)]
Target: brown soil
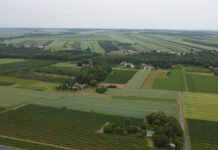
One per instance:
[(120, 86)]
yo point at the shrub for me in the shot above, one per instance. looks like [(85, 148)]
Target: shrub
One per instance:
[(101, 90), (112, 86)]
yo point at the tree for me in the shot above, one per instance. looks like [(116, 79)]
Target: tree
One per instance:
[(161, 140)]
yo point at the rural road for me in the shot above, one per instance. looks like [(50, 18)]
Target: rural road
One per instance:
[(185, 146)]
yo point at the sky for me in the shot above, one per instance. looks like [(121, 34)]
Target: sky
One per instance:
[(128, 14)]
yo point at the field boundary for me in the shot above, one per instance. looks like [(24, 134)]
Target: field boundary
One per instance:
[(35, 142), (185, 81), (181, 120)]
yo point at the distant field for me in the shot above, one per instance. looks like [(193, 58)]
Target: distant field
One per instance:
[(15, 67), (72, 129), (202, 83), (197, 69), (120, 76), (6, 61), (137, 80), (146, 93), (28, 84), (66, 65), (95, 47), (201, 113), (174, 81), (57, 44)]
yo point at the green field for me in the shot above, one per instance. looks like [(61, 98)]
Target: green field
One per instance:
[(140, 40), (28, 84), (174, 81), (95, 47), (72, 129), (137, 80), (15, 67), (201, 113), (25, 145), (202, 83), (120, 76), (65, 64), (121, 107), (203, 134), (201, 106), (7, 61), (197, 69), (143, 93)]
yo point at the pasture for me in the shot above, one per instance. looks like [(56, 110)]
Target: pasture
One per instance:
[(137, 80), (174, 81), (201, 114), (202, 83), (71, 129), (120, 76), (7, 61)]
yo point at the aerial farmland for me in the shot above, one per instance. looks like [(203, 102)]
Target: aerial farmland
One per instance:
[(103, 89)]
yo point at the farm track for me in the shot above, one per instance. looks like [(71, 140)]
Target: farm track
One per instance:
[(185, 146), (35, 142), (185, 81)]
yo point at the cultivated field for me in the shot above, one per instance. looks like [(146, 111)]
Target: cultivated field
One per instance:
[(121, 107), (173, 81), (65, 64), (145, 93), (120, 76), (6, 61), (202, 83), (137, 80), (201, 114), (72, 129)]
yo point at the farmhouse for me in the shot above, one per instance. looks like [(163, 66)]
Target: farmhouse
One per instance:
[(149, 133), (126, 64), (79, 86), (88, 65), (147, 67), (172, 145)]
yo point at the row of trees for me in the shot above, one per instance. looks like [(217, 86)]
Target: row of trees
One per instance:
[(162, 60)]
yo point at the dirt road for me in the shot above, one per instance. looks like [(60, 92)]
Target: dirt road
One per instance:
[(185, 146)]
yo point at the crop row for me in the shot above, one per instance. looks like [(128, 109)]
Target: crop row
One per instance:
[(64, 127), (203, 134)]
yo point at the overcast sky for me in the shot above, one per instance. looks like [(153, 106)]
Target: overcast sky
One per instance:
[(152, 14)]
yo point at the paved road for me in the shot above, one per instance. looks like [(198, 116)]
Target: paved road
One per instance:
[(185, 146)]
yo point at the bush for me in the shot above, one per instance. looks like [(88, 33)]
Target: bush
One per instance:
[(93, 83), (112, 86), (101, 90)]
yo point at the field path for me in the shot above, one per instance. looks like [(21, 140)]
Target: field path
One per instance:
[(185, 146), (35, 142)]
